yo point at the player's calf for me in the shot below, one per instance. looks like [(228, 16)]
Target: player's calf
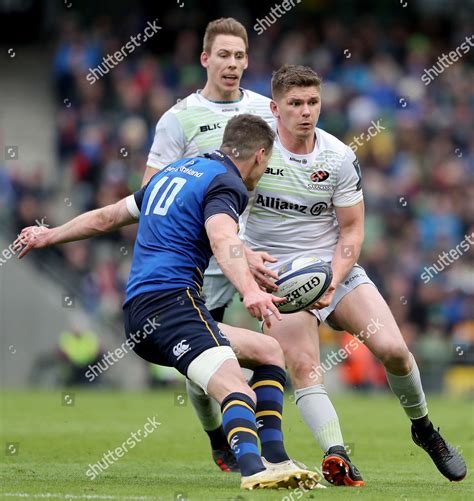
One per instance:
[(268, 383), (209, 414)]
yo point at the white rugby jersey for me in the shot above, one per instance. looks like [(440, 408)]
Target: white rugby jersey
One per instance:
[(195, 126), (292, 209)]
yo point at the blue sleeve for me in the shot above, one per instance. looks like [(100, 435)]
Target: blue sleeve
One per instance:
[(226, 194), (138, 195)]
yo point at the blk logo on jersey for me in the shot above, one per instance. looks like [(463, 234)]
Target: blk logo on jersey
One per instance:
[(319, 176), (207, 128), (274, 172), (180, 349)]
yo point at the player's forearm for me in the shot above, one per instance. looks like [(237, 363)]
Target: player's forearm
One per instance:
[(87, 225), (346, 253), (230, 254)]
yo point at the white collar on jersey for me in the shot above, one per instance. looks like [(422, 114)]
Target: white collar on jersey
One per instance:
[(298, 157)]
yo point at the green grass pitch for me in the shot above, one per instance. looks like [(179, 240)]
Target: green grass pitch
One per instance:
[(48, 445)]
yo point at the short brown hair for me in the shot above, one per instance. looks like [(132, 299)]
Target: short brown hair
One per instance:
[(292, 75), (245, 134), (224, 26)]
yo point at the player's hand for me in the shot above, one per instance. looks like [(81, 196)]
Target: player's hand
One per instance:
[(261, 305), (32, 237), (260, 272), (324, 301)]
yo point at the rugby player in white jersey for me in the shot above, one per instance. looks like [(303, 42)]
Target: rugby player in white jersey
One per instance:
[(310, 203), (195, 126)]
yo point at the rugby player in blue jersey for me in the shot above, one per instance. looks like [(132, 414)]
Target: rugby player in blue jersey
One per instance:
[(187, 212)]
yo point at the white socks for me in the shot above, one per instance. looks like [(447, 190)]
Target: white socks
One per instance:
[(409, 391), (207, 409), (319, 413)]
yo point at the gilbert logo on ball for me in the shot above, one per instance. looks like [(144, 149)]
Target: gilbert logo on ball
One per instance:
[(302, 282)]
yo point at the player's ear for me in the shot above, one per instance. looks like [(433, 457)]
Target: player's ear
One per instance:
[(246, 62), (260, 156), (204, 59), (274, 109)]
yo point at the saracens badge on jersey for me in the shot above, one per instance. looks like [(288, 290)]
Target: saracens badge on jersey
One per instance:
[(319, 176)]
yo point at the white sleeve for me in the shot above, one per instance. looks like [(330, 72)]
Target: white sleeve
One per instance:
[(169, 143), (132, 206), (348, 190)]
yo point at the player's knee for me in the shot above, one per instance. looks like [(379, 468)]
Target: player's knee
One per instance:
[(270, 352), (243, 387), (395, 357), (232, 382), (301, 365)]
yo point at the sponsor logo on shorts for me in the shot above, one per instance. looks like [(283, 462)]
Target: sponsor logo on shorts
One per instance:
[(180, 349), (222, 335), (347, 282)]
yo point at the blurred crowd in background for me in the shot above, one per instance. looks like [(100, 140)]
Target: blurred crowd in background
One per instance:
[(418, 167)]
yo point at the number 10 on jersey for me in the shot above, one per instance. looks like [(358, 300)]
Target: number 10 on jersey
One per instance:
[(167, 198)]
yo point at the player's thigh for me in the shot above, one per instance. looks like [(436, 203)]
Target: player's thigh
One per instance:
[(298, 335), (253, 348), (363, 312)]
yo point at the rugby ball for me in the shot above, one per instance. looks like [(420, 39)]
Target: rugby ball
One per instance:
[(302, 282)]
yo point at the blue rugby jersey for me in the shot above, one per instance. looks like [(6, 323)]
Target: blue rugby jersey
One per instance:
[(172, 249)]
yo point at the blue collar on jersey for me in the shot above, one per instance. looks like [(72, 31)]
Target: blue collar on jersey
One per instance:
[(220, 156)]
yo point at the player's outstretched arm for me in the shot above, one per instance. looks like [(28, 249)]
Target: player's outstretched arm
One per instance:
[(230, 254), (87, 225)]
